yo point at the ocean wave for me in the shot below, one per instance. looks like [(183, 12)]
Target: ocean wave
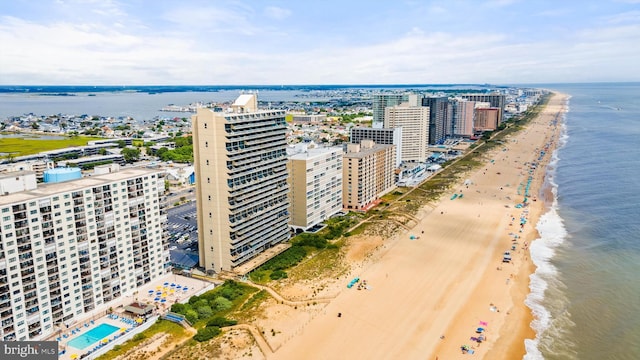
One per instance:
[(546, 299)]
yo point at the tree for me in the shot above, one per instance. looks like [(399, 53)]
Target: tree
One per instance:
[(222, 303), (121, 144), (102, 151), (35, 126), (131, 154), (191, 316)]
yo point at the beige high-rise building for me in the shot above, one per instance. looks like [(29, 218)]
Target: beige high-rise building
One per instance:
[(414, 121), (462, 117), (241, 182), (315, 180), (368, 172), (486, 119)]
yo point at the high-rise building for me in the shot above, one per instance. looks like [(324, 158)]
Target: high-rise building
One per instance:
[(486, 119), (368, 172), (438, 107), (496, 100), (390, 136), (414, 121), (241, 182), (315, 180), (461, 117), (382, 101), (73, 247)]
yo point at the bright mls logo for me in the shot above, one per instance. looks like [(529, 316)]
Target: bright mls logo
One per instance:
[(36, 350)]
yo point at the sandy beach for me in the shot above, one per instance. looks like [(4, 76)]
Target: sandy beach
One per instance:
[(431, 287)]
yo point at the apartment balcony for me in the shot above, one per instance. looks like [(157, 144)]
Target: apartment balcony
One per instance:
[(25, 256), (5, 300), (34, 321), (34, 310), (256, 194), (5, 305), (19, 207), (20, 215), (50, 248), (27, 275), (6, 315), (30, 295), (24, 248)]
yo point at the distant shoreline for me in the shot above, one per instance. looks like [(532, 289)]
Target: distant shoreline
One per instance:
[(61, 90)]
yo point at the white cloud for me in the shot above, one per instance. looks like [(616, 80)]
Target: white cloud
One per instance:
[(625, 17), (277, 13), (192, 47), (499, 3)]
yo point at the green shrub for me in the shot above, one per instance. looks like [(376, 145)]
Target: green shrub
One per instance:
[(191, 316), (221, 303), (204, 312), (313, 240), (178, 308), (278, 274), (220, 321), (286, 259), (139, 337), (207, 333)]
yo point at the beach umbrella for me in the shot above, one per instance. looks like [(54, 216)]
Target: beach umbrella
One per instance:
[(165, 284), (185, 288), (123, 329), (74, 356), (156, 299), (178, 286), (105, 340), (150, 291), (139, 320), (479, 330), (173, 285), (163, 300), (483, 323)]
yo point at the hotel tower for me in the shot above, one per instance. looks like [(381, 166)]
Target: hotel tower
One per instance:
[(241, 182)]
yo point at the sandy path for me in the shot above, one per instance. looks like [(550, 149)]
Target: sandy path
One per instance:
[(445, 281)]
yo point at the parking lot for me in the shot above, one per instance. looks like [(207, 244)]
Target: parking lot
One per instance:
[(183, 240)]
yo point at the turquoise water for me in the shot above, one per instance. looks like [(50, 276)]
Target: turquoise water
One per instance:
[(92, 336)]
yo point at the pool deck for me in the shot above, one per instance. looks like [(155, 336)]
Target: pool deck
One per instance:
[(127, 321)]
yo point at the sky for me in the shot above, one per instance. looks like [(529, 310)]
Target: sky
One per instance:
[(265, 42)]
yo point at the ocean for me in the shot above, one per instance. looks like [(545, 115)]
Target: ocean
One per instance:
[(585, 293)]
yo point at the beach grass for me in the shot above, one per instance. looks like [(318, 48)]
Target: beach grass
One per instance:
[(174, 331), (321, 264), (29, 146)]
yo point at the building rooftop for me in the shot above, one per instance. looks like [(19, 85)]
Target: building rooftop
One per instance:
[(89, 181)]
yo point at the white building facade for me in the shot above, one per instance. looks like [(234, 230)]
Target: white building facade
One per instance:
[(315, 182), (68, 249)]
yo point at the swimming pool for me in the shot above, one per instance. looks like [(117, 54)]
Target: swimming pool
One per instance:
[(92, 336)]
